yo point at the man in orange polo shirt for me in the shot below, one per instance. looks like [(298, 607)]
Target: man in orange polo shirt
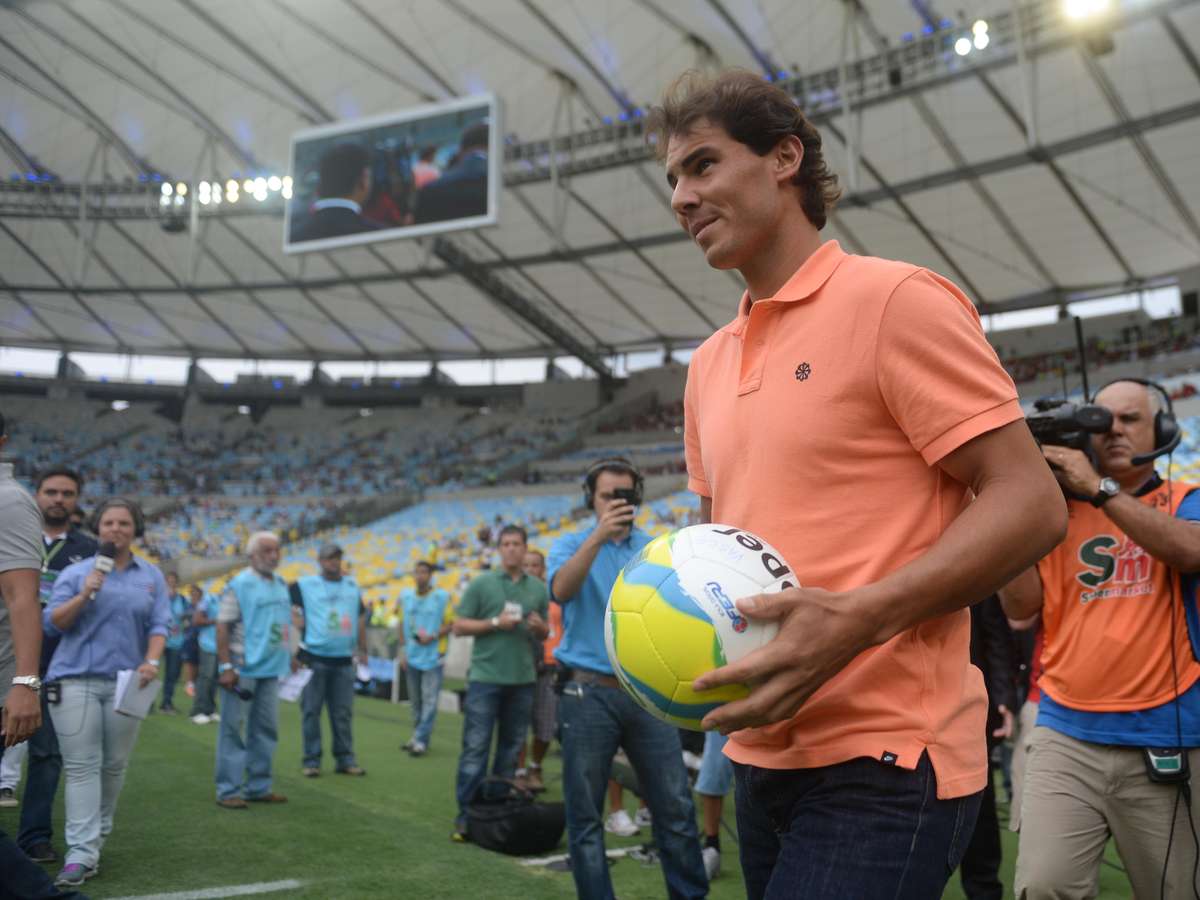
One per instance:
[(846, 415), (1120, 630)]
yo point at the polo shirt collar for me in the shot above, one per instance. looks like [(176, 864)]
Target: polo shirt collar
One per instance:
[(808, 279)]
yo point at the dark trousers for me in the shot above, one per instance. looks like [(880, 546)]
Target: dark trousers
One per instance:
[(501, 708), (332, 686), (205, 702), (174, 664), (43, 768), (980, 871), (23, 879), (857, 829)]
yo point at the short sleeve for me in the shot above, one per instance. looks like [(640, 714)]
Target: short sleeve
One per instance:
[(160, 612), (560, 551), (20, 532), (469, 608), (229, 610), (941, 380), (66, 586), (1190, 507), (697, 479)]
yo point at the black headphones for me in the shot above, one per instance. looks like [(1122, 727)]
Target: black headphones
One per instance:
[(139, 518), (1167, 433), (612, 464)]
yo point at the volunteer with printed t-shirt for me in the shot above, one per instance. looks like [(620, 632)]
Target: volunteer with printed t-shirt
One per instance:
[(1120, 632), (253, 634)]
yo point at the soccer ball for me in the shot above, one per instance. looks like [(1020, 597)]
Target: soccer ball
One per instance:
[(671, 617)]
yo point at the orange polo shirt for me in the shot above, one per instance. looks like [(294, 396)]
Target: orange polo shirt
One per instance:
[(816, 419)]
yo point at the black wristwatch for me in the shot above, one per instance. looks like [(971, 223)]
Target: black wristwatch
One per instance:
[(1108, 489)]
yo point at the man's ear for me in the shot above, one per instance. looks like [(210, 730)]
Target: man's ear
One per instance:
[(789, 154)]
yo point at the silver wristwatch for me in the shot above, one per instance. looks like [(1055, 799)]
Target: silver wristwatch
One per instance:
[(30, 681), (495, 623)]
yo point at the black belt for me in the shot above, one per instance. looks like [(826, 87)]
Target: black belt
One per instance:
[(585, 677)]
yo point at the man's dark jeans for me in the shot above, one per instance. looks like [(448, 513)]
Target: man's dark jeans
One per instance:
[(41, 784), (503, 709), (857, 829)]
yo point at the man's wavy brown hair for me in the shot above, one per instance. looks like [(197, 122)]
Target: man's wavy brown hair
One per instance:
[(753, 112)]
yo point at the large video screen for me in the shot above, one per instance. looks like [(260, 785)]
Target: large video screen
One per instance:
[(421, 171)]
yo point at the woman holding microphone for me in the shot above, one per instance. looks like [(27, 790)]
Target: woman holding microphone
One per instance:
[(112, 612)]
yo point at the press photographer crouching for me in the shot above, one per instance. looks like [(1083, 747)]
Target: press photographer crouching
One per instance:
[(1119, 722)]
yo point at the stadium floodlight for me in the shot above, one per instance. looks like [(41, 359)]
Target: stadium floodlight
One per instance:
[(167, 189), (260, 184), (216, 196), (248, 185), (980, 27), (962, 46), (231, 186), (260, 192), (286, 193), (1079, 10), (181, 189), (287, 182), (274, 183), (179, 199), (981, 40)]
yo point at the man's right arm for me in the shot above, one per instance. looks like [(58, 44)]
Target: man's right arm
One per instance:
[(1022, 597), (569, 577), (22, 714), (228, 613)]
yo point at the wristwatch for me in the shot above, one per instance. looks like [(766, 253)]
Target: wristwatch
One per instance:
[(1108, 489), (223, 668), (495, 622), (152, 662), (30, 681)]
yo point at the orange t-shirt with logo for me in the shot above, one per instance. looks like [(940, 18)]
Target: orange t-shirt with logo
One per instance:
[(816, 419), (1106, 615)]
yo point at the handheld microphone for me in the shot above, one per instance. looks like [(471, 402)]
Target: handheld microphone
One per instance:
[(106, 558)]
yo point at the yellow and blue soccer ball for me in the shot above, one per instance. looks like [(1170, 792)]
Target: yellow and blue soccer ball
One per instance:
[(671, 617)]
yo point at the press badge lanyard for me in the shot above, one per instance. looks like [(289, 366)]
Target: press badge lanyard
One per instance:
[(46, 557)]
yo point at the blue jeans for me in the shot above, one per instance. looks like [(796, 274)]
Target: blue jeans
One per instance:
[(423, 689), (331, 685), (244, 763), (857, 829), (595, 721), (502, 707), (41, 784), (174, 664), (205, 702)]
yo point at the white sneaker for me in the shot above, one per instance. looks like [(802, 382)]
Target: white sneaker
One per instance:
[(201, 719), (712, 862), (620, 824), (642, 817)]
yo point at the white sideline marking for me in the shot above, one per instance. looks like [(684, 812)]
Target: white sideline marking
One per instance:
[(615, 853), (234, 890)]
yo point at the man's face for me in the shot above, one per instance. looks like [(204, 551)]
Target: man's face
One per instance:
[(331, 566), (57, 498), (512, 550), (1132, 430), (725, 196), (172, 583), (197, 595), (265, 557), (534, 565), (422, 575), (606, 483)]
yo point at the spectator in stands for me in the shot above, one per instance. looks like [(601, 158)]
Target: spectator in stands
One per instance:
[(108, 623), (57, 492), (501, 609), (345, 184), (427, 619), (181, 612), (253, 652), (20, 646), (204, 616), (545, 701), (333, 637), (595, 714), (1120, 672)]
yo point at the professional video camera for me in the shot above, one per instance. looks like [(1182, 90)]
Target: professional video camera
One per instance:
[(1065, 424)]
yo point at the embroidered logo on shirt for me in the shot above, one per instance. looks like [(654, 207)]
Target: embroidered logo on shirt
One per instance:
[(803, 371)]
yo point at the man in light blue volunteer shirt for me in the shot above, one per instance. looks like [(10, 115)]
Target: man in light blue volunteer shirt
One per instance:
[(253, 635), (204, 617), (333, 624), (423, 626), (181, 613), (596, 716)]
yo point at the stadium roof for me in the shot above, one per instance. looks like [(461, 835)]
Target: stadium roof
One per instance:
[(1052, 161)]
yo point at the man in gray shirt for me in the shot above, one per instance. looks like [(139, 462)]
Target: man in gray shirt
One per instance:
[(20, 648)]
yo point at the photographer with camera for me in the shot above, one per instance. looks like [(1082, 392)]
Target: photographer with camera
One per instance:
[(1118, 724), (595, 716)]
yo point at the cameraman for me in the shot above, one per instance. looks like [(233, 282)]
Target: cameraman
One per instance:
[(596, 717), (1120, 668)]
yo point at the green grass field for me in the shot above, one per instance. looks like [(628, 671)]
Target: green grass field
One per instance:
[(386, 835)]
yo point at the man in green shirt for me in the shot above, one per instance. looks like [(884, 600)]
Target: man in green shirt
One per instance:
[(502, 610)]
